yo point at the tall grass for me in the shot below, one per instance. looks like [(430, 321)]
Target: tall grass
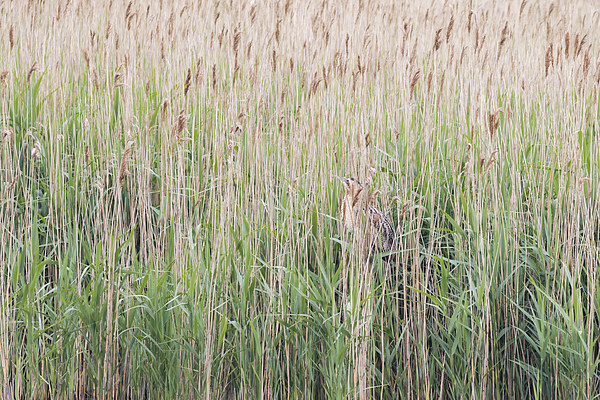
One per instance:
[(169, 221)]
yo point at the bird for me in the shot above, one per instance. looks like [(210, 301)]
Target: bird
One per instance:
[(360, 216)]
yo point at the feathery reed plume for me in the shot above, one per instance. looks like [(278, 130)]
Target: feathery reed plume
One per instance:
[(125, 162), (491, 160), (11, 37), (469, 19), (128, 15), (236, 41), (550, 10), (34, 68), (429, 77), (441, 89), (586, 61), (282, 95), (493, 121), (354, 80), (580, 46), (414, 80), (95, 79), (567, 42), (248, 49), (278, 30), (236, 71), (214, 77), (107, 30), (86, 57), (199, 71), (36, 153), (274, 61), (449, 29), (117, 77), (6, 134), (437, 42), (314, 85), (181, 123), (503, 38), (188, 82), (3, 79), (523, 4), (549, 60)]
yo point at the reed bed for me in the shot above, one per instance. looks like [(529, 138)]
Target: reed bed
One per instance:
[(169, 217)]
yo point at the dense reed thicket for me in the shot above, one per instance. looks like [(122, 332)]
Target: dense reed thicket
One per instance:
[(169, 218)]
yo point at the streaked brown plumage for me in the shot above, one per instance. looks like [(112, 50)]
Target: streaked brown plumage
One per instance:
[(359, 215)]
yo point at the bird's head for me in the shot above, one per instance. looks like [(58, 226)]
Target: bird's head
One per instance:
[(352, 186)]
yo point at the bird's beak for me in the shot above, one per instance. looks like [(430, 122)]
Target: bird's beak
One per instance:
[(342, 179)]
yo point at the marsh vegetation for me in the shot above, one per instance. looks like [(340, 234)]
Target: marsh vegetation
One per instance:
[(169, 218)]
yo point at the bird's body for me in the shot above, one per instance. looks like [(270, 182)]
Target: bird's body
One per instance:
[(359, 215)]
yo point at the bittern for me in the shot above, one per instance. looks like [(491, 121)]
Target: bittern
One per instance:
[(359, 215)]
